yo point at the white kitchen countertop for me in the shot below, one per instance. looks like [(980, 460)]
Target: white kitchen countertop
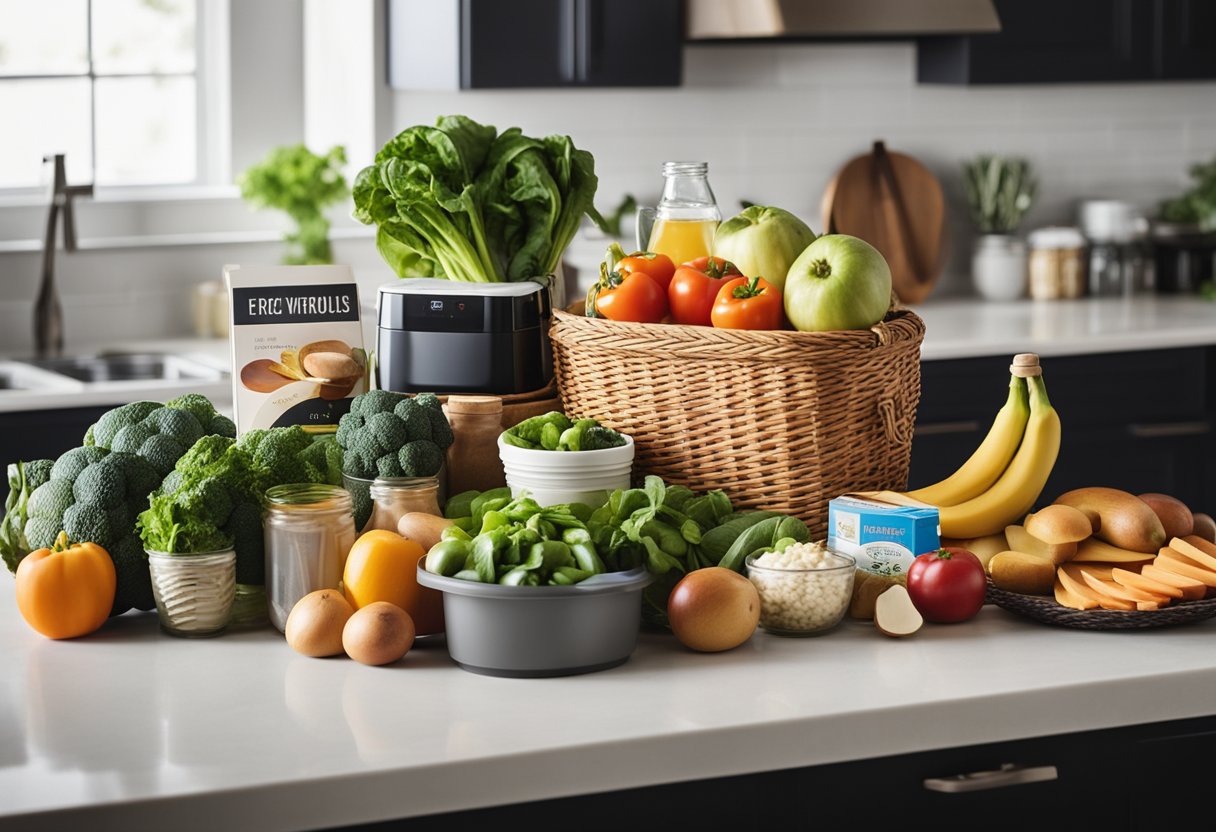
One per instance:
[(971, 328), (132, 729)]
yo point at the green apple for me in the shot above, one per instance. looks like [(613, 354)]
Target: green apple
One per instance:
[(838, 282), (763, 241)]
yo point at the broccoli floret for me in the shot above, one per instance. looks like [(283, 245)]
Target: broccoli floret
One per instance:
[(204, 452), (221, 425), (414, 417), (101, 484), (421, 459), (278, 455), (324, 459), (88, 522), (354, 464), (37, 471), (178, 425), (387, 431), (162, 452), (112, 421), (429, 400), (132, 437), (374, 401), (69, 466), (40, 532), (196, 404), (208, 497), (389, 466), (361, 504), (51, 499), (348, 426), (441, 431)]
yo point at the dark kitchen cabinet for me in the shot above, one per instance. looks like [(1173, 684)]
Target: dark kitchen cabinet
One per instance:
[(43, 434), (490, 44), (1109, 779), (1081, 41), (1138, 421)]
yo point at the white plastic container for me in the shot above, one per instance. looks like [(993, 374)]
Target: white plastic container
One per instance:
[(554, 477)]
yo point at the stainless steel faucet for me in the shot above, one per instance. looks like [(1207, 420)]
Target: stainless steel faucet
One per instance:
[(48, 315)]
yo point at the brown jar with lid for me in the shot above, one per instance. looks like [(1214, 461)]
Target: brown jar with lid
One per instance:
[(472, 461)]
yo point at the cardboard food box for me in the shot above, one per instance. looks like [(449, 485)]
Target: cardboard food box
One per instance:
[(297, 345), (882, 536)]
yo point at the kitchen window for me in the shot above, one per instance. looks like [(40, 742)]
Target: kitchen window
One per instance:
[(127, 89)]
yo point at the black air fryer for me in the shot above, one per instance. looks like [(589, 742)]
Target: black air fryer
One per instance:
[(446, 336)]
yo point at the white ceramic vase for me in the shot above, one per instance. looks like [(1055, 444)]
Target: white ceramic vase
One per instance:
[(998, 267)]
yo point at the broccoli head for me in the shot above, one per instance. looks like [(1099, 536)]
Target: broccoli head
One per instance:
[(375, 401), (160, 433), (374, 436), (324, 457)]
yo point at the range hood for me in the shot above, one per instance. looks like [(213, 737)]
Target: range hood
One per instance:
[(798, 19)]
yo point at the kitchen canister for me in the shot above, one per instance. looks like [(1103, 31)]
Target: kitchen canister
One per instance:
[(309, 531), (555, 477), (193, 591), (1057, 263)]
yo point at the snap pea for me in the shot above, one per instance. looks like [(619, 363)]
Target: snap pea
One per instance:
[(447, 557)]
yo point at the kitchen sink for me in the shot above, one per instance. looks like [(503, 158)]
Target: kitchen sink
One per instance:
[(132, 366), (19, 375)]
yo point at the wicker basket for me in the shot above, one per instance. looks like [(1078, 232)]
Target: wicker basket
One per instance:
[(783, 421)]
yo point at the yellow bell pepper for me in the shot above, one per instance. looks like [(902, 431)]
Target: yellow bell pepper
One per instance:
[(66, 591)]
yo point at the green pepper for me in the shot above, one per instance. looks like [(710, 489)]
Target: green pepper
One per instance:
[(447, 557)]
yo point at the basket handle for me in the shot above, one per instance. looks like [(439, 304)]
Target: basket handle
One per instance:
[(889, 415)]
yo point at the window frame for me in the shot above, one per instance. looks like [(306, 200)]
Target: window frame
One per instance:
[(211, 108)]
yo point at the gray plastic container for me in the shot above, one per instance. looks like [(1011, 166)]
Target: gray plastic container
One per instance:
[(541, 630)]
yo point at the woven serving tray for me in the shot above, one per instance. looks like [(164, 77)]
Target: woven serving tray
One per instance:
[(1045, 609)]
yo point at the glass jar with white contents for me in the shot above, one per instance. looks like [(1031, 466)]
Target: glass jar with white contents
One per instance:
[(193, 591), (309, 532), (804, 588)]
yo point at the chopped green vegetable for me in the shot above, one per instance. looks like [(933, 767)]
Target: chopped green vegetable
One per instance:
[(554, 431)]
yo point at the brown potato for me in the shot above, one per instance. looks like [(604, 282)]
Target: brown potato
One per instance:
[(1023, 573), (1175, 517), (1124, 520)]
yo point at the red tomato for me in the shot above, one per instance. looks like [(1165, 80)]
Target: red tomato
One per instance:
[(632, 297), (658, 266), (947, 585), (694, 288), (748, 303)]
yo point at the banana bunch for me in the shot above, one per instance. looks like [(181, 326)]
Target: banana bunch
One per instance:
[(1001, 481)]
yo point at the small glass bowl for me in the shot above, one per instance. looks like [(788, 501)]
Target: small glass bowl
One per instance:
[(803, 602), (193, 592)]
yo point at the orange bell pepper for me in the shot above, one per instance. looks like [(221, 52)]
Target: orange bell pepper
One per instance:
[(66, 591), (383, 566)]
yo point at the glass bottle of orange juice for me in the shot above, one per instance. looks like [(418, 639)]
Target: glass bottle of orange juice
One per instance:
[(682, 225)]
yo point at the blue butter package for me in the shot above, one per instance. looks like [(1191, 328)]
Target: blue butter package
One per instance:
[(884, 538)]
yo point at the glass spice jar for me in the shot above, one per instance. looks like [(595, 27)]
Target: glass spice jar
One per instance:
[(193, 591), (473, 463), (309, 531), (1057, 263), (393, 497)]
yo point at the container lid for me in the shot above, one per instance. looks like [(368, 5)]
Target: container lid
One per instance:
[(475, 405), (425, 304), (1056, 237)]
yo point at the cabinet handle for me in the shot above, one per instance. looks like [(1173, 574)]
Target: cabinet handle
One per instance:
[(1169, 429), (977, 781), (944, 428)]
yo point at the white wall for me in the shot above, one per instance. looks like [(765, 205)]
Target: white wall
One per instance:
[(776, 121)]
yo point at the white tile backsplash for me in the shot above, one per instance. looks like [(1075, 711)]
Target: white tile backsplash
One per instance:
[(776, 121)]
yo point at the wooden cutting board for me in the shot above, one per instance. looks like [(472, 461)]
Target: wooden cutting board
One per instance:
[(896, 204)]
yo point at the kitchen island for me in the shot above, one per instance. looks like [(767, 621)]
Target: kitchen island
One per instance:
[(133, 729)]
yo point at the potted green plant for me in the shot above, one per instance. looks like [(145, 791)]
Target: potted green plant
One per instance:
[(302, 184), (1184, 236), (1000, 190)]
